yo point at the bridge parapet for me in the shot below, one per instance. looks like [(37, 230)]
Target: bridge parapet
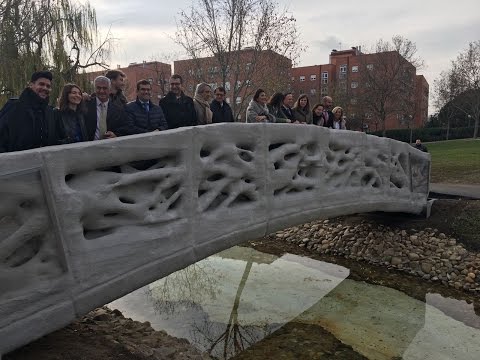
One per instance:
[(83, 224)]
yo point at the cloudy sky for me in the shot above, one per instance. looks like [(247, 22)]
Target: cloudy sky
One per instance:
[(440, 28)]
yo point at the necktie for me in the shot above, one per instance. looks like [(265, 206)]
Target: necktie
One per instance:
[(145, 106), (102, 123)]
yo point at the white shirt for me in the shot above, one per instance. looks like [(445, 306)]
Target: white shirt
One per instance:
[(99, 110)]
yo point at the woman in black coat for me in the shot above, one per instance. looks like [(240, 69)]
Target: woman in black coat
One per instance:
[(70, 115)]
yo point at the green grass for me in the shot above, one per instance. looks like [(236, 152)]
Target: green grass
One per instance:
[(455, 161)]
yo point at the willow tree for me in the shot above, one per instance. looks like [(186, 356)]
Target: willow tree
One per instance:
[(239, 42), (59, 35)]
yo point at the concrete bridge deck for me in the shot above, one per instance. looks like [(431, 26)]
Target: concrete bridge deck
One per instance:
[(86, 223)]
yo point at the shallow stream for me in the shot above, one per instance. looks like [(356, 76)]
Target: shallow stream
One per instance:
[(244, 304)]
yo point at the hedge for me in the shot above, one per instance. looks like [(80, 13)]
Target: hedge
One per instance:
[(427, 134)]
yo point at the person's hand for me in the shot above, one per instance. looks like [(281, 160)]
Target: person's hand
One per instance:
[(155, 130), (260, 118), (109, 135), (86, 97)]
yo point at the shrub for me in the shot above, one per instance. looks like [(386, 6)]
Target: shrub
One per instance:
[(427, 134)]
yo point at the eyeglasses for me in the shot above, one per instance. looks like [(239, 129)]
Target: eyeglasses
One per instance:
[(175, 84), (219, 94)]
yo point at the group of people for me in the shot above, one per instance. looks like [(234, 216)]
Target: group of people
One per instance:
[(281, 108), (30, 122)]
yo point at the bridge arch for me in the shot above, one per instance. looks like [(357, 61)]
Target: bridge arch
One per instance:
[(83, 224)]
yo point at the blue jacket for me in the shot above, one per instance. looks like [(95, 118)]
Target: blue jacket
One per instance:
[(143, 121)]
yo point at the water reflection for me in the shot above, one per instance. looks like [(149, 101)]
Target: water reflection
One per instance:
[(241, 299)]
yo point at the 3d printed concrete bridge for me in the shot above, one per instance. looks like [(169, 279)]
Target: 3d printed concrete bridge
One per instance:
[(83, 224)]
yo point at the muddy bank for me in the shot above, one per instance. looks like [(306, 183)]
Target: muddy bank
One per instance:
[(105, 334)]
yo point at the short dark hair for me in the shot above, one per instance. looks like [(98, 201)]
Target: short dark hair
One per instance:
[(41, 74), (143, 82), (176, 76), (221, 89), (257, 94), (114, 74)]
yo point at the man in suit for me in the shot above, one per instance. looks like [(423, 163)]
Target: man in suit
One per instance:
[(327, 111), (145, 115), (287, 107), (105, 120)]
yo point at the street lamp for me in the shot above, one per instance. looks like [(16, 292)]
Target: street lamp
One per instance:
[(469, 118)]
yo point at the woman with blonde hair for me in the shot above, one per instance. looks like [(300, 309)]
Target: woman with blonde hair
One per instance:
[(338, 119)]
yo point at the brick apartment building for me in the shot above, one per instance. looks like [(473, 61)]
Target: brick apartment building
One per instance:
[(342, 79), (246, 71), (156, 72)]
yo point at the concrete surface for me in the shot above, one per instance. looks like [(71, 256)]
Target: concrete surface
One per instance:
[(460, 190), (84, 224)]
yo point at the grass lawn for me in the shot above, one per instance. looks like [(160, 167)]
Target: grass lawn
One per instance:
[(455, 161)]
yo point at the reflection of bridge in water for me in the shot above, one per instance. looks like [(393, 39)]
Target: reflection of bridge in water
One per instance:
[(83, 224)]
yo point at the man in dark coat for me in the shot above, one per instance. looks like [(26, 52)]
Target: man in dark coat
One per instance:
[(29, 123), (117, 86), (104, 119), (177, 107), (418, 145), (144, 115), (222, 112), (287, 107), (327, 111)]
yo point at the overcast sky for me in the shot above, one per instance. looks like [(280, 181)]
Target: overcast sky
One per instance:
[(440, 28)]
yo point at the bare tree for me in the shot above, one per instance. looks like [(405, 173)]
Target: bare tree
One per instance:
[(460, 85), (47, 34), (387, 80), (238, 40)]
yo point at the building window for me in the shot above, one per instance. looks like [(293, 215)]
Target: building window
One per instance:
[(247, 67), (354, 84), (150, 80), (324, 75), (248, 83), (324, 81), (343, 68), (238, 85), (368, 115), (238, 100), (190, 87), (355, 68), (313, 91), (293, 78), (302, 78), (227, 100), (342, 75), (353, 101), (324, 91), (313, 77), (370, 66), (227, 85)]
